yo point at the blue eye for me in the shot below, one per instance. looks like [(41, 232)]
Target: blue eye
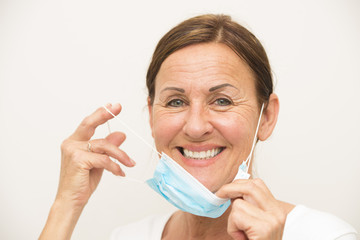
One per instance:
[(176, 103), (222, 102)]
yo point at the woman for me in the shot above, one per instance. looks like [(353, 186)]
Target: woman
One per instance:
[(207, 82)]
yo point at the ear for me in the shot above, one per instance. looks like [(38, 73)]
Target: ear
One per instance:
[(269, 118), (150, 107)]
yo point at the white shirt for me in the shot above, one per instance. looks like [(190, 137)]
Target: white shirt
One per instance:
[(302, 223)]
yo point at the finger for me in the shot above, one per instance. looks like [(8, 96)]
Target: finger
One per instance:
[(245, 217), (87, 127), (255, 222), (103, 146), (101, 161), (243, 207), (266, 197), (237, 234), (239, 222), (251, 190), (116, 138), (230, 190), (238, 226), (260, 183)]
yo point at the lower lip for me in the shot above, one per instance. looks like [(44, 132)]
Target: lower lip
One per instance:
[(199, 162)]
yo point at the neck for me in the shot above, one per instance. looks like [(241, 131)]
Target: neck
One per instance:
[(183, 225)]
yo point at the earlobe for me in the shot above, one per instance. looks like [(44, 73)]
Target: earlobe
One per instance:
[(269, 118), (150, 116)]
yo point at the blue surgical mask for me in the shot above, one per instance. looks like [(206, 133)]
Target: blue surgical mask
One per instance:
[(185, 192)]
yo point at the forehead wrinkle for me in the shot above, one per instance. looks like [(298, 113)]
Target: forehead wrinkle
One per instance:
[(211, 78), (206, 68), (200, 55), (194, 65)]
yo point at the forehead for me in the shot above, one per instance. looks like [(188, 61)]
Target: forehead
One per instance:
[(205, 63)]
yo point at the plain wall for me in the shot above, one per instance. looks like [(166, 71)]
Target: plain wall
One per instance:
[(60, 60)]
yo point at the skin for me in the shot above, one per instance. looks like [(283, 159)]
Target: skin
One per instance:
[(205, 98)]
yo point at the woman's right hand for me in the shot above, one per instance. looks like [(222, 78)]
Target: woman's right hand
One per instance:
[(83, 160), (82, 164)]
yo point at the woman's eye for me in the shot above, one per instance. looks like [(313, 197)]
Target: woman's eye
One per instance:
[(175, 103), (222, 102)]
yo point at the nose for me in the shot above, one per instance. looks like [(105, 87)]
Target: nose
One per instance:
[(197, 124)]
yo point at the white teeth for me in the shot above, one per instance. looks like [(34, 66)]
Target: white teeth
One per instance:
[(208, 153), (203, 154), (186, 152)]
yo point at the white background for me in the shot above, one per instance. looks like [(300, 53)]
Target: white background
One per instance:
[(60, 60)]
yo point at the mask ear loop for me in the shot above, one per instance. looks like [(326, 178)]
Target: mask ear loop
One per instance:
[(133, 132), (108, 125), (248, 160)]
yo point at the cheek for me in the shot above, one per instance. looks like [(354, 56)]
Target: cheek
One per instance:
[(232, 128), (166, 126)]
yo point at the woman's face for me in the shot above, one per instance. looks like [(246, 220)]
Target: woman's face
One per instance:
[(205, 112)]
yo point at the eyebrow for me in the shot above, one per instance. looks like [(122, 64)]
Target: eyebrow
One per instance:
[(174, 88), (221, 86)]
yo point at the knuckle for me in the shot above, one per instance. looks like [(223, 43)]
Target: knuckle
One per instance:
[(238, 181), (258, 181), (105, 160), (66, 146), (237, 204), (252, 185), (233, 217), (86, 122), (102, 143), (103, 113), (100, 146)]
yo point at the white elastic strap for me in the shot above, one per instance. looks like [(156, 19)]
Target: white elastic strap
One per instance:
[(128, 128), (108, 125), (248, 160)]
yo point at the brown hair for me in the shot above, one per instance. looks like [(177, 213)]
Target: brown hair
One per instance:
[(218, 29)]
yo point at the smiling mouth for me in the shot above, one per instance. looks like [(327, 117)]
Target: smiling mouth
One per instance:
[(200, 155)]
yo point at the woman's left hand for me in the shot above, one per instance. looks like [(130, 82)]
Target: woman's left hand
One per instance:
[(255, 213)]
